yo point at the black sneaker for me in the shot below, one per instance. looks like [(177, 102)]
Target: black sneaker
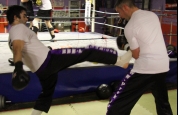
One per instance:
[(11, 61)]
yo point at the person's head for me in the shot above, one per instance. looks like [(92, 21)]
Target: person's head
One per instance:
[(125, 8), (16, 14)]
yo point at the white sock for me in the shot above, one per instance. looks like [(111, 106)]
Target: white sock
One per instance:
[(126, 47), (124, 59), (36, 112)]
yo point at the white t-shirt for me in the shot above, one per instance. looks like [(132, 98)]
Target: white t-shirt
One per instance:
[(144, 31), (34, 52), (46, 5)]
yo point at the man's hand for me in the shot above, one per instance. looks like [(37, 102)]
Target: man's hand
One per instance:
[(135, 53), (20, 78), (122, 43)]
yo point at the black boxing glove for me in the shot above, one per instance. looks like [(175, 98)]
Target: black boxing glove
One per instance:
[(122, 43), (20, 78), (34, 2), (37, 2)]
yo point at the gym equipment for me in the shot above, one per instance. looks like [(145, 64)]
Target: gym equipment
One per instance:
[(3, 102), (37, 2), (81, 30), (59, 26), (171, 50), (20, 78), (104, 91), (56, 31), (122, 43)]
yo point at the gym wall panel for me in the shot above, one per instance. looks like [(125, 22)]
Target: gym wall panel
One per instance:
[(9, 2), (158, 4)]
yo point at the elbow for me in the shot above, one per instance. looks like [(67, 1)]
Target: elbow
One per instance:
[(135, 56)]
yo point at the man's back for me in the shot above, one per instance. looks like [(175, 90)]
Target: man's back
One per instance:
[(144, 26)]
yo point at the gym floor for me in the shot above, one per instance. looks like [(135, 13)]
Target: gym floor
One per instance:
[(145, 106)]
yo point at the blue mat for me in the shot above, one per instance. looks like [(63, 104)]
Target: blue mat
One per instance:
[(72, 81)]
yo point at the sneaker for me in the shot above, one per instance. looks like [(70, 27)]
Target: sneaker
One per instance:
[(11, 61)]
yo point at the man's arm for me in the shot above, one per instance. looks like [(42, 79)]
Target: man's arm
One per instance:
[(17, 50), (20, 78), (135, 53)]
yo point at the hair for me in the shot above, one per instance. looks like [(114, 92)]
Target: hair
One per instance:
[(130, 3), (12, 11)]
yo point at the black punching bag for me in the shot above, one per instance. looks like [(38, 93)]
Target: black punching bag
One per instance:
[(104, 91)]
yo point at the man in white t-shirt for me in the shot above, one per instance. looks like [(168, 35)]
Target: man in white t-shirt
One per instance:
[(46, 63), (44, 13), (144, 35)]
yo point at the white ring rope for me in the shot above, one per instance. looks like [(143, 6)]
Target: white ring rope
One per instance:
[(165, 14), (84, 10), (72, 17), (78, 10), (67, 17), (80, 21), (108, 25), (106, 12)]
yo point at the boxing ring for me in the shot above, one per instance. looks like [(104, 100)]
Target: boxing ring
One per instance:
[(81, 78), (78, 79)]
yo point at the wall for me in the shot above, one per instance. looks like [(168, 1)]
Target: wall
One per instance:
[(158, 4), (166, 21), (9, 2)]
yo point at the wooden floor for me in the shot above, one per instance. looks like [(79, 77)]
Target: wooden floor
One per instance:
[(145, 106)]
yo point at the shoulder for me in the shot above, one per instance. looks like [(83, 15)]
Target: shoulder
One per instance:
[(148, 13), (19, 28)]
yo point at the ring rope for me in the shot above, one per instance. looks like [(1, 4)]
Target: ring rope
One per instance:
[(165, 14), (84, 10), (107, 12), (98, 11), (113, 38), (108, 25), (72, 17)]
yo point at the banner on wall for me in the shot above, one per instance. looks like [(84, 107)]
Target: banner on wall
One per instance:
[(171, 5)]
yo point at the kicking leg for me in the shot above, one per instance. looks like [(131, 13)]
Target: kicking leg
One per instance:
[(63, 58)]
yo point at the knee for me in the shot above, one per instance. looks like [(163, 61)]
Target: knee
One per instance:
[(48, 24), (35, 22), (35, 29)]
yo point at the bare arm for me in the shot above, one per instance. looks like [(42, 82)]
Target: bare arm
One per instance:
[(24, 0), (17, 50), (135, 53)]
